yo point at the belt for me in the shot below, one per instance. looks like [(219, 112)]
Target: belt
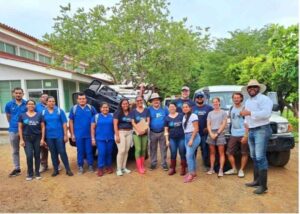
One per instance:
[(156, 131), (125, 129), (259, 127)]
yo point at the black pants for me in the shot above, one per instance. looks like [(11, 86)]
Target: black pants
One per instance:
[(32, 149)]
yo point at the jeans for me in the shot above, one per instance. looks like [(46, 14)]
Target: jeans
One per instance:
[(158, 138), (204, 150), (190, 151), (105, 149), (177, 144), (58, 147), (258, 140), (84, 146), (32, 150), (15, 145)]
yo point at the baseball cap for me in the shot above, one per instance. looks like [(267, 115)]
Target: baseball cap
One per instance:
[(199, 94), (185, 88)]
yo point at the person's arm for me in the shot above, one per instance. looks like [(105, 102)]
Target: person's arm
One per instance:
[(265, 111), (71, 127), (7, 111), (8, 116), (93, 128), (223, 125), (20, 129), (195, 132), (43, 133), (116, 129), (65, 128), (166, 133)]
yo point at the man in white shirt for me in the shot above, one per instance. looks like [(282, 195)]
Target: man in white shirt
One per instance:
[(258, 110)]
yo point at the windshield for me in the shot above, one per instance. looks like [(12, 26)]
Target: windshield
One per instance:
[(225, 97)]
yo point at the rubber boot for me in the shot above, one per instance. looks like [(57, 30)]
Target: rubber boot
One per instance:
[(138, 165), (183, 167), (172, 167), (142, 164), (255, 182), (263, 177)]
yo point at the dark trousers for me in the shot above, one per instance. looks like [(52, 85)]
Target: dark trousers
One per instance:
[(44, 156), (58, 147), (32, 150)]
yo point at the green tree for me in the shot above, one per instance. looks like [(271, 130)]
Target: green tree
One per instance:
[(134, 41)]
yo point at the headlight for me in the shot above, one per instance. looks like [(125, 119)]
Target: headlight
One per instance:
[(282, 128)]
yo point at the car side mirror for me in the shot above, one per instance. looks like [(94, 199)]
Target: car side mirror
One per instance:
[(275, 107)]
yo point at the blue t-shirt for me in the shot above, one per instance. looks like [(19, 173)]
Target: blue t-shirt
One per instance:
[(237, 122), (138, 116), (14, 111), (124, 121), (202, 113), (82, 120), (157, 118), (54, 123), (104, 127), (40, 107), (175, 126), (31, 125), (179, 102)]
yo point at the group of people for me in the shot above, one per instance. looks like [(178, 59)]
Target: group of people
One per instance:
[(183, 126)]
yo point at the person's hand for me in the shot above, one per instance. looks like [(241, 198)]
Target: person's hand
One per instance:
[(214, 136), (117, 139), (42, 142), (66, 139), (190, 143), (205, 131), (93, 142), (245, 113), (244, 140), (167, 143), (22, 143), (73, 138)]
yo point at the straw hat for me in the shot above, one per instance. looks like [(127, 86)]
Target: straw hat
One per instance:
[(154, 96), (253, 82)]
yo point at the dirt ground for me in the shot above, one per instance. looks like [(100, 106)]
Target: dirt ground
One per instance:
[(153, 192)]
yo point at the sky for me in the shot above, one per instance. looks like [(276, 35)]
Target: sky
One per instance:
[(35, 17)]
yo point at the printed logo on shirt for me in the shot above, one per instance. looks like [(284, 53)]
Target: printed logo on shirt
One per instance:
[(179, 104), (26, 121), (126, 119), (175, 124), (158, 115)]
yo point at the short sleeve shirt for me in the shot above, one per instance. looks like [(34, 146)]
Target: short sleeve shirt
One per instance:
[(14, 110), (157, 118), (138, 116), (202, 113), (189, 128), (216, 118), (82, 120), (31, 125), (104, 126), (54, 123), (237, 122), (124, 121), (40, 107), (175, 126)]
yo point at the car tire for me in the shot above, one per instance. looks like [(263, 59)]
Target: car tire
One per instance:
[(279, 158)]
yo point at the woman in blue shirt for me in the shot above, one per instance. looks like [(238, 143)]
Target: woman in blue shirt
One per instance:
[(56, 135), (31, 129), (102, 134), (123, 133), (175, 138)]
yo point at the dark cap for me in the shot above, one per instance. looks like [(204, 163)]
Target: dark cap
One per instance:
[(200, 94)]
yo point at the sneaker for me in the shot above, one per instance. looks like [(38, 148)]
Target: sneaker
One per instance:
[(29, 178), (69, 173), (43, 168), (231, 172), (80, 170), (165, 167), (125, 170), (241, 173), (38, 177), (91, 169), (59, 167), (152, 167), (211, 171), (119, 172), (15, 172), (221, 173)]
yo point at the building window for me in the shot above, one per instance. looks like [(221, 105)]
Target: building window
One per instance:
[(8, 48), (44, 59), (42, 84), (69, 89), (6, 88), (27, 54)]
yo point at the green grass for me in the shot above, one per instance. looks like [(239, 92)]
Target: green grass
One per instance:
[(288, 114)]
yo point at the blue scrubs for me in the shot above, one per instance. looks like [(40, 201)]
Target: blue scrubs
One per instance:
[(104, 138), (40, 107), (14, 110), (82, 130)]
